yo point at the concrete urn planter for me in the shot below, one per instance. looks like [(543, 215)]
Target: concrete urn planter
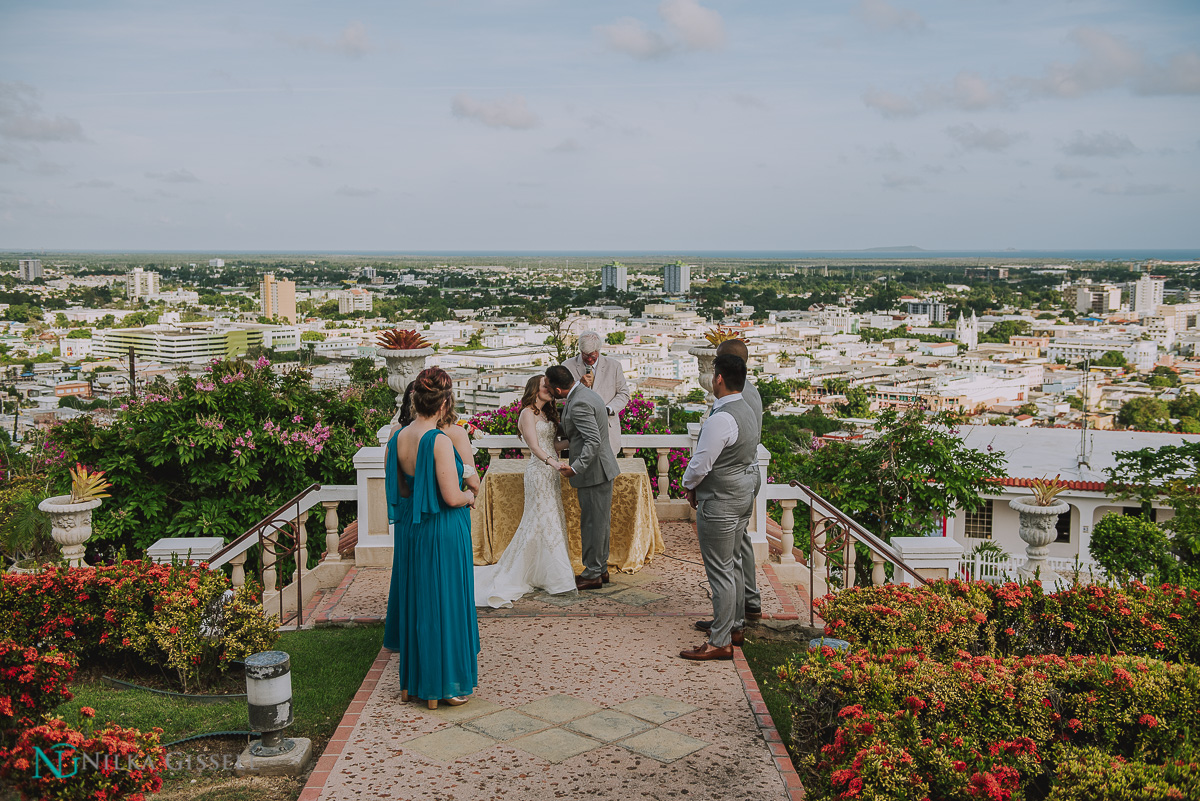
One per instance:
[(402, 367), (1038, 530), (71, 525), (706, 355)]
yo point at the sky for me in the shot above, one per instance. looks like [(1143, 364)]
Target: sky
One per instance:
[(677, 125)]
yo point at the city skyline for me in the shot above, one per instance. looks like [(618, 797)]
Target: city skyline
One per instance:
[(538, 125)]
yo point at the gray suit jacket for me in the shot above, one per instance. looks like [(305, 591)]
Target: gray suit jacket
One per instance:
[(610, 386), (583, 421)]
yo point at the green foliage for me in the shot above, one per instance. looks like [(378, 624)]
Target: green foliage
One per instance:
[(1001, 331), (24, 529), (615, 338), (774, 390), (1145, 414), (904, 481), (1186, 405), (1131, 546), (858, 404), (79, 333), (1163, 376), (695, 396), (1171, 472), (1111, 358), (364, 373), (312, 336), (212, 456)]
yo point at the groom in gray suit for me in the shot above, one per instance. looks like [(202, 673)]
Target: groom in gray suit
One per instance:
[(592, 470)]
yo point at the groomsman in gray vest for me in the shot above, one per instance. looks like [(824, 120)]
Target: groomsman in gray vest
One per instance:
[(592, 470), (753, 603), (721, 481)]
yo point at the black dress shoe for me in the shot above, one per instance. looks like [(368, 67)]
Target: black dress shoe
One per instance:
[(753, 614), (704, 625), (582, 583)]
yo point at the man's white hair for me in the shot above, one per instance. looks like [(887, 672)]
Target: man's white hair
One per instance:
[(589, 342)]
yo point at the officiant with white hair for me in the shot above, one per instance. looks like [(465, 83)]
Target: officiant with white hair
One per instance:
[(605, 377)]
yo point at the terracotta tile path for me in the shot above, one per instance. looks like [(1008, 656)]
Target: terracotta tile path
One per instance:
[(577, 697)]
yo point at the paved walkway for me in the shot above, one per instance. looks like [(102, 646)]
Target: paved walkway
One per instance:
[(577, 697)]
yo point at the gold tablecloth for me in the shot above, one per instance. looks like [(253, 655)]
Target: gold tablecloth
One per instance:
[(636, 537)]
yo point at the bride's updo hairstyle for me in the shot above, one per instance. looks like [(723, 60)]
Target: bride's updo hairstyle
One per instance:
[(431, 389)]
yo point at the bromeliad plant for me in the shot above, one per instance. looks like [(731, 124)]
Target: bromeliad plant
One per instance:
[(1045, 490), (402, 339), (87, 484), (716, 336)]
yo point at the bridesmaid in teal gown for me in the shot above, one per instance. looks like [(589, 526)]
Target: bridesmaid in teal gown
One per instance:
[(399, 513), (438, 635)]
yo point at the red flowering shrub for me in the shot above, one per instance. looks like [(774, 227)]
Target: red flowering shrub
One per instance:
[(945, 616), (31, 684), (1089, 773), (172, 616), (977, 726), (55, 762)]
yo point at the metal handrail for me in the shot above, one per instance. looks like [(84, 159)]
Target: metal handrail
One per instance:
[(313, 493)]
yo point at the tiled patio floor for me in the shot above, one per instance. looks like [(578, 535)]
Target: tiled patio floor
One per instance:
[(577, 697)]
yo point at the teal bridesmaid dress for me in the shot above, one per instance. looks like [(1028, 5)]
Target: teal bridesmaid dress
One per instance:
[(400, 516), (439, 634)]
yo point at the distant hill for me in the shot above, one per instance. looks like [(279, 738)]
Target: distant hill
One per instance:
[(899, 249)]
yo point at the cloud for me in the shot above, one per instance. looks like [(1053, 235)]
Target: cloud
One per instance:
[(902, 182), (352, 42), (1135, 190), (1179, 76), (95, 183), (567, 146), (317, 161), (21, 118), (750, 101), (507, 112), (1105, 144), (971, 137), (174, 177), (884, 16), (630, 36), (1072, 172), (967, 92), (356, 191), (889, 152), (1107, 62), (700, 28), (693, 27)]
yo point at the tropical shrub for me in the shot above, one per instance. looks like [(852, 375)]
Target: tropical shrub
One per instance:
[(31, 684), (977, 725), (186, 620), (55, 762), (1131, 546), (211, 456), (1018, 619), (1090, 773)]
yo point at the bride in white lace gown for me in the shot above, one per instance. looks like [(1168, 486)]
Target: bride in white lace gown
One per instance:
[(537, 557)]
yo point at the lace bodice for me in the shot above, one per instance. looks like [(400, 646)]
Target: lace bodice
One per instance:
[(545, 434)]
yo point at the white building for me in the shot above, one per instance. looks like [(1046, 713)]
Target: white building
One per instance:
[(613, 275), (216, 262), (354, 300), (1139, 352), (175, 345), (967, 331), (1090, 298), (29, 269), (1148, 293), (141, 284), (677, 278), (937, 312)]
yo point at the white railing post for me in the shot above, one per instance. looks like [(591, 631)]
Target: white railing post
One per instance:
[(374, 545), (787, 522), (848, 570), (878, 574), (332, 540), (301, 545), (239, 570), (662, 471), (758, 518), (268, 563)]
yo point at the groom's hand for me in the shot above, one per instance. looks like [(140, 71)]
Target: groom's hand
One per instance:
[(690, 497), (566, 471)]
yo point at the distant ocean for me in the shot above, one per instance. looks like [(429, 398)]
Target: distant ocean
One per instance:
[(831, 255)]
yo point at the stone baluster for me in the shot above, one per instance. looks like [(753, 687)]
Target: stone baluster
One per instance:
[(817, 556), (494, 453), (301, 544), (664, 474), (878, 575), (628, 453), (848, 572), (239, 570), (332, 540), (268, 564), (787, 522)]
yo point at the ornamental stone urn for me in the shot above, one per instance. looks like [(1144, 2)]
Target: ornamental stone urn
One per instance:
[(403, 365), (1038, 530), (71, 525), (706, 355)]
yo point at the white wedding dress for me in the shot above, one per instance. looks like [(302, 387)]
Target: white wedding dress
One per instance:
[(537, 557)]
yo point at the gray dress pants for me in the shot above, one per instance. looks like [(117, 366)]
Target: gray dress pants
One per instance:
[(595, 523)]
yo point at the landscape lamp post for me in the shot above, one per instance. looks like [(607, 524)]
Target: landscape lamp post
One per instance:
[(269, 697)]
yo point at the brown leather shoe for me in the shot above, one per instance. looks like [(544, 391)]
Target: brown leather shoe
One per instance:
[(604, 577), (736, 638), (705, 652), (753, 614), (582, 583)]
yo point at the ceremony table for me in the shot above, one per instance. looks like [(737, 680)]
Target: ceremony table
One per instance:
[(636, 537)]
